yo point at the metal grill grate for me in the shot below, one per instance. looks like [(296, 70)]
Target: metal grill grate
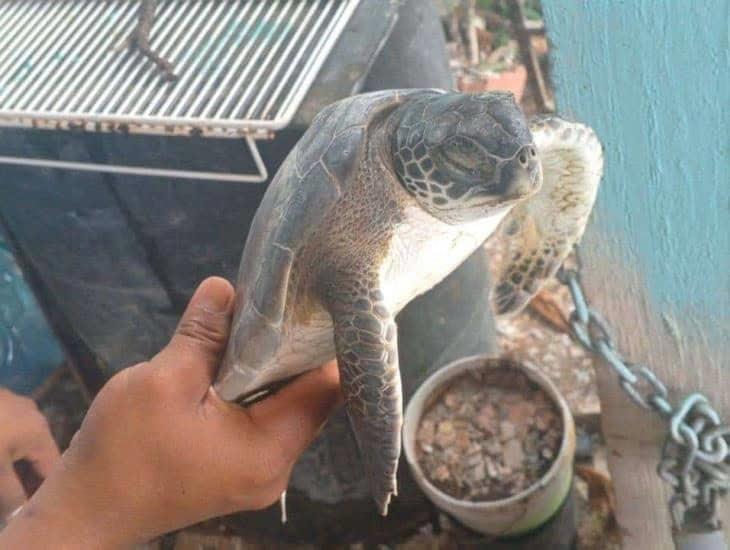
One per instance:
[(244, 66)]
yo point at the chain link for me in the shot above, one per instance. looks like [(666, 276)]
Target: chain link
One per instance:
[(695, 458)]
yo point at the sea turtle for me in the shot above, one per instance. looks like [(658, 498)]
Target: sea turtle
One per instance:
[(383, 196)]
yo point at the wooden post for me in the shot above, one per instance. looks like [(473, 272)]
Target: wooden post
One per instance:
[(651, 78), (470, 15), (529, 57)]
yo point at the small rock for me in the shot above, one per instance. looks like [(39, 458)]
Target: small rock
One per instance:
[(478, 471), (520, 482), (544, 418), (467, 410), (529, 443), (574, 352), (451, 400), (491, 468), (426, 432), (462, 441), (521, 414), (441, 473), (474, 460), (487, 418), (511, 398), (503, 470), (513, 454), (507, 430), (493, 447), (445, 434)]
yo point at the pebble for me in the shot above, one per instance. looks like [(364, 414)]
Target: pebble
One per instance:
[(462, 441), (507, 430), (426, 432), (478, 472), (451, 400), (513, 454), (491, 468), (445, 434), (487, 419), (493, 447), (442, 473)]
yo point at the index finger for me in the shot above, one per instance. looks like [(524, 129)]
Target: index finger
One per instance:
[(293, 416)]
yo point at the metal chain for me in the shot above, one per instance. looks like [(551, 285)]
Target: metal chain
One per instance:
[(695, 457)]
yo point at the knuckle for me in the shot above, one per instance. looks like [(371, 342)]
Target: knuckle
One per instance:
[(117, 383), (205, 328), (123, 384)]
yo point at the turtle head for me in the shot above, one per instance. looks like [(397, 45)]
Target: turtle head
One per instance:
[(464, 157)]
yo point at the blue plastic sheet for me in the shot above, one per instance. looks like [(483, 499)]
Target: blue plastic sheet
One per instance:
[(29, 351)]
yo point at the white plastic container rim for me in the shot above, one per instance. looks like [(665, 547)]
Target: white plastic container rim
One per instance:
[(519, 513)]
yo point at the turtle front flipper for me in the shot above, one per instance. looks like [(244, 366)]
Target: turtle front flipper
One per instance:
[(367, 354), (542, 229)]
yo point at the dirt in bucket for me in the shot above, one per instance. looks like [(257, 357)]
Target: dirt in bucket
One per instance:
[(489, 435)]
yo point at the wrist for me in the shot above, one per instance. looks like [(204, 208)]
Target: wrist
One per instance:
[(60, 515)]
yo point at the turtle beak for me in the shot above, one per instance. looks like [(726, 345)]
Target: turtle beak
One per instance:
[(522, 177)]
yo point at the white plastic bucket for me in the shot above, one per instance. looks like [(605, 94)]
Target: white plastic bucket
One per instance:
[(519, 513)]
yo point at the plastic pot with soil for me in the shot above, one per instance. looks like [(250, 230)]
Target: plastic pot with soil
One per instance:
[(491, 442)]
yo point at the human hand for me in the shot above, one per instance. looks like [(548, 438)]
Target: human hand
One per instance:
[(159, 449), (24, 436)]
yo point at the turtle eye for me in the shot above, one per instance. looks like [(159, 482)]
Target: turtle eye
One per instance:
[(463, 153)]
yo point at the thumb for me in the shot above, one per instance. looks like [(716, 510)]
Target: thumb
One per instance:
[(202, 333)]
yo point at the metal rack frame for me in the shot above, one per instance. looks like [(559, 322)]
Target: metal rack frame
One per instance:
[(244, 68)]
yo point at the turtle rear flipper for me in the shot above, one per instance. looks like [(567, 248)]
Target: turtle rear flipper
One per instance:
[(367, 354), (542, 229), (256, 328)]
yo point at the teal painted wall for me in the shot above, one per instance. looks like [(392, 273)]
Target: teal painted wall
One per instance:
[(653, 79)]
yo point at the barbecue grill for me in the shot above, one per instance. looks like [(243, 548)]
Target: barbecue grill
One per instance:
[(244, 68)]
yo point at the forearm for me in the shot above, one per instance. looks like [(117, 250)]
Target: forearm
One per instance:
[(60, 516)]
